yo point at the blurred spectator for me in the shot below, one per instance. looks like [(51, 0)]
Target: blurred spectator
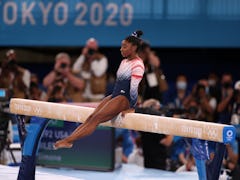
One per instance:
[(189, 165), (35, 79), (36, 91), (14, 77), (224, 108), (155, 146), (206, 103), (174, 98), (152, 103), (154, 83), (56, 93), (177, 153), (235, 115), (214, 87), (230, 162), (180, 152), (124, 139), (61, 82), (92, 67), (136, 157), (193, 110)]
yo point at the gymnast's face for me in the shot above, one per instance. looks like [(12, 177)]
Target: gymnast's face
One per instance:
[(127, 49)]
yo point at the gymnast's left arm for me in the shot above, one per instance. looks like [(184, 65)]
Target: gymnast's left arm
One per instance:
[(136, 77)]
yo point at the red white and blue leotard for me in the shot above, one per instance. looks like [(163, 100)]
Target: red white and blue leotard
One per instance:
[(129, 75)]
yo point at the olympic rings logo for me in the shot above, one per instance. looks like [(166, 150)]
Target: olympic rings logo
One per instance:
[(211, 132)]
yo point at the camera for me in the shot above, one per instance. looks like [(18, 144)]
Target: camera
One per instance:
[(236, 93), (11, 64), (91, 51), (63, 65), (192, 110)]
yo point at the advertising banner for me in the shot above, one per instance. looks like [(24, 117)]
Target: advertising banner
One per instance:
[(95, 152), (168, 23)]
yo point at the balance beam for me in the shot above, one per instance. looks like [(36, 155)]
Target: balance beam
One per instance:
[(135, 121)]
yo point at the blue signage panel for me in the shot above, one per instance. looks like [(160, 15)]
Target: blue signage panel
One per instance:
[(169, 23), (94, 152)]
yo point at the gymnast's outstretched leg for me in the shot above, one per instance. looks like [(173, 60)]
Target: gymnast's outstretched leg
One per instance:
[(108, 110)]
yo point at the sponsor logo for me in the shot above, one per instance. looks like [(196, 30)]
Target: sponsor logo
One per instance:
[(192, 131)]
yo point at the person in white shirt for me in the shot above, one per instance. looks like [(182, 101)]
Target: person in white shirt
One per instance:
[(92, 66)]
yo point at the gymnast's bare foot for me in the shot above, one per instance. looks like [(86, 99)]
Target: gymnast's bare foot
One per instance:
[(62, 144)]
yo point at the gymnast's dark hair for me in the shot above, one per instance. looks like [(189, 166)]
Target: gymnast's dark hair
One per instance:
[(144, 45), (134, 38)]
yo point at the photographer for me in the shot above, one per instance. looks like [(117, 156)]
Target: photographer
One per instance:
[(154, 83), (14, 82), (13, 77), (227, 92), (206, 102), (180, 150), (61, 76), (92, 67), (235, 118), (155, 146)]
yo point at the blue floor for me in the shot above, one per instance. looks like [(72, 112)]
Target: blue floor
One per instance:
[(126, 172)]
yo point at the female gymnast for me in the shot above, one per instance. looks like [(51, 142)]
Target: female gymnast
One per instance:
[(124, 96)]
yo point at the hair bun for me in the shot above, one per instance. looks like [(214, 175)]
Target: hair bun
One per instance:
[(137, 33)]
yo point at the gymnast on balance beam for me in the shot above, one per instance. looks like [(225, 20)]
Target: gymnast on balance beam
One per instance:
[(124, 95)]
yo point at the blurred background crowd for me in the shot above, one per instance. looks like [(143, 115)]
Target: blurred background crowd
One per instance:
[(90, 76)]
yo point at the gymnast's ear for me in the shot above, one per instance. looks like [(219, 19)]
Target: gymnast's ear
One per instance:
[(134, 48)]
